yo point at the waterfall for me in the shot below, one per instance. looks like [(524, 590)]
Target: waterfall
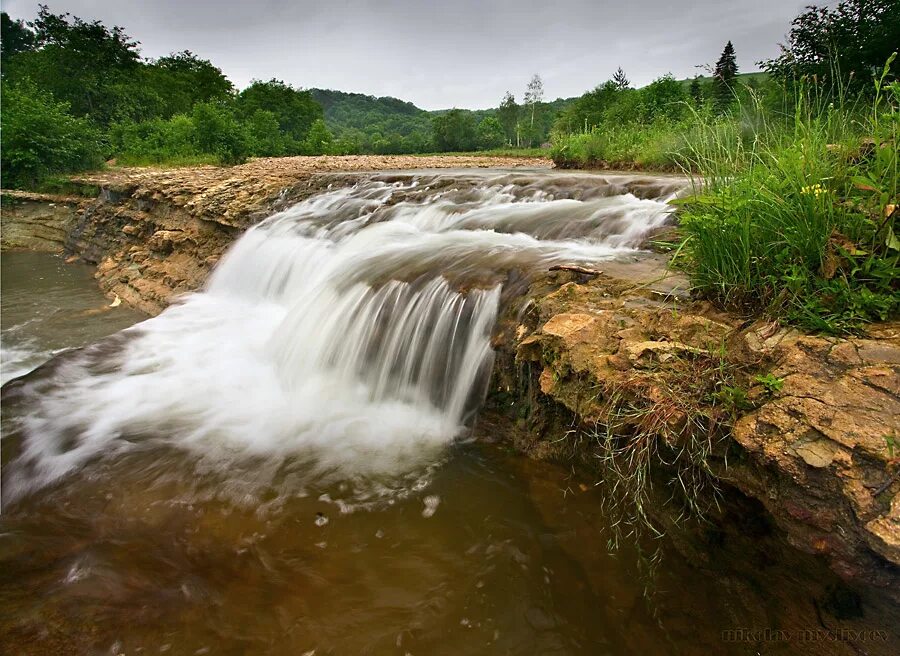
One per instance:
[(351, 331)]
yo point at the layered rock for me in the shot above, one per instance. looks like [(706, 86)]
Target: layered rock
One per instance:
[(154, 234), (806, 425), (38, 222)]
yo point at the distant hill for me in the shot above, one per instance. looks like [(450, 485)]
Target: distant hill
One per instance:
[(359, 114), (369, 119)]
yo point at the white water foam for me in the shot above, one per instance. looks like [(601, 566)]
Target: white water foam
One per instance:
[(352, 330)]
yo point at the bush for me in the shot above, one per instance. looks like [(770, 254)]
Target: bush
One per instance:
[(41, 138), (155, 141), (265, 135), (220, 134)]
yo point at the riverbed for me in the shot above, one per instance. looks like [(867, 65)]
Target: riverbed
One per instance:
[(159, 502)]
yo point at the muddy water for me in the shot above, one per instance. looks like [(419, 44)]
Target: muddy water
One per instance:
[(142, 535), (48, 306)]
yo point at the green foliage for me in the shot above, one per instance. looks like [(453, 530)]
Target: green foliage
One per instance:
[(664, 98), (155, 141), (82, 63), (770, 382), (800, 221), (265, 134), (219, 133), (318, 139), (40, 137), (454, 130), (724, 79), (490, 133), (843, 46), (508, 115), (15, 37), (367, 124), (183, 79), (295, 110)]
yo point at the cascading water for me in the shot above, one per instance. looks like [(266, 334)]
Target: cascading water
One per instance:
[(350, 333)]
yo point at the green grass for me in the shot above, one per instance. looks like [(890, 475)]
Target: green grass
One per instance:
[(660, 145), (797, 219)]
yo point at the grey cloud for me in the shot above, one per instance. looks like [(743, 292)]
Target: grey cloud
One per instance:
[(442, 54)]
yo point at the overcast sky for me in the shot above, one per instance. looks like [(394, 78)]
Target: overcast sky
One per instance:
[(439, 54)]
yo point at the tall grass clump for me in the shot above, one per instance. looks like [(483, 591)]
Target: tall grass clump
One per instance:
[(797, 218), (656, 145)]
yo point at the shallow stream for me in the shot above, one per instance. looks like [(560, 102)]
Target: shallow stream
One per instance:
[(283, 463)]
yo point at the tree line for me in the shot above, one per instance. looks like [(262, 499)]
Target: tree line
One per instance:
[(76, 93)]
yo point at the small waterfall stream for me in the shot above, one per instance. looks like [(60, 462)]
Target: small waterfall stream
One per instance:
[(277, 464), (351, 330)]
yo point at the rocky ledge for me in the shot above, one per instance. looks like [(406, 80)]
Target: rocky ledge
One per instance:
[(806, 425), (154, 234), (622, 365)]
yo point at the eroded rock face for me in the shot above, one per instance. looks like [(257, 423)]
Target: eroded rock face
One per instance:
[(155, 234), (806, 425), (38, 222), (826, 447)]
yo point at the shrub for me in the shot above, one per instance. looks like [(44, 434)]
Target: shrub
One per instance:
[(155, 141), (40, 137), (220, 134)]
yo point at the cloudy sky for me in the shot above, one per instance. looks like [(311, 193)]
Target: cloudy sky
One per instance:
[(438, 54)]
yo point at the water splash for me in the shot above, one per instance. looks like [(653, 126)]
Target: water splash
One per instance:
[(350, 332)]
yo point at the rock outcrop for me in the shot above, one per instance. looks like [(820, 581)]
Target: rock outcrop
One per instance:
[(806, 425), (38, 222), (155, 234)]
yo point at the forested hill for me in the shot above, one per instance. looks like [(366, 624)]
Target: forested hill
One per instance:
[(374, 123), (390, 125)]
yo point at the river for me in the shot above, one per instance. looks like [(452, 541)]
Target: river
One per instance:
[(283, 463)]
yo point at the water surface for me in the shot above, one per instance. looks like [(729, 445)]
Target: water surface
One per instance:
[(284, 463)]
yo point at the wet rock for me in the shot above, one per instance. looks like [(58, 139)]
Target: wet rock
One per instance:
[(816, 449)]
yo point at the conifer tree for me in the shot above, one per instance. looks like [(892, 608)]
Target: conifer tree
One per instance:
[(696, 92), (620, 80), (724, 77)]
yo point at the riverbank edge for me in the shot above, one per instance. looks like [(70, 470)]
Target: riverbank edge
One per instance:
[(584, 351)]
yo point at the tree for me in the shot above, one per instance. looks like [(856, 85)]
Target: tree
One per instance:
[(508, 114), (490, 133), (534, 94), (295, 110), (696, 92), (79, 62), (14, 38), (219, 133), (454, 130), (723, 78), (183, 79), (265, 134), (318, 140), (40, 137), (845, 45), (662, 98), (620, 80)]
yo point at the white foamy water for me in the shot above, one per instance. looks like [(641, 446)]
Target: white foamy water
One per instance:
[(351, 331)]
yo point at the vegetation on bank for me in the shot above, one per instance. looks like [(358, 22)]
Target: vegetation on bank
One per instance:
[(797, 174), (801, 221), (78, 93), (797, 210)]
